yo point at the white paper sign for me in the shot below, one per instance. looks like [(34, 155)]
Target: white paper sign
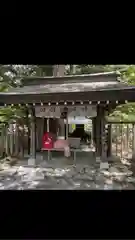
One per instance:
[(78, 120), (48, 112), (56, 111), (84, 111)]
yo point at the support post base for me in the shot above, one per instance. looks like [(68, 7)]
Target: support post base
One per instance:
[(31, 161), (98, 160)]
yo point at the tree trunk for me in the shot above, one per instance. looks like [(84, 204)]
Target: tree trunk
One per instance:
[(72, 69), (59, 70), (55, 70)]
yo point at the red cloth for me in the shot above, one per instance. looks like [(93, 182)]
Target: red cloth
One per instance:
[(47, 141)]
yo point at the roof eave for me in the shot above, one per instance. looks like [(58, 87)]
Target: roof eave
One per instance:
[(99, 95)]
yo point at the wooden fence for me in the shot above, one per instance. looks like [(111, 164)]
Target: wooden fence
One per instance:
[(14, 139), (122, 139)]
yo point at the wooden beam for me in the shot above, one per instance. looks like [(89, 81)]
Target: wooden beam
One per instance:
[(103, 96)]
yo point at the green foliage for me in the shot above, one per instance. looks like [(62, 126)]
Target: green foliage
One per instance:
[(9, 74), (129, 75), (124, 112), (87, 69)]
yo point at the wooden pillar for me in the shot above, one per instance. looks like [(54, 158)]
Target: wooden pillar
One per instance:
[(39, 133), (94, 130), (29, 139), (103, 138), (109, 108), (11, 139), (7, 141), (2, 142), (44, 125), (32, 159), (61, 127), (98, 132), (28, 126), (109, 141), (17, 140), (133, 155), (67, 128), (21, 134), (101, 148), (59, 71)]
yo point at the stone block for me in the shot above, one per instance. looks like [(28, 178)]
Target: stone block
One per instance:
[(104, 165), (31, 161), (113, 170)]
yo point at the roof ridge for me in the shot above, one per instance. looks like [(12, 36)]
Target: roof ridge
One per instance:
[(116, 73), (105, 76)]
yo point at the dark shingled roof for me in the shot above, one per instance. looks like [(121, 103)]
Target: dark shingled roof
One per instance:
[(90, 87), (73, 83), (66, 87)]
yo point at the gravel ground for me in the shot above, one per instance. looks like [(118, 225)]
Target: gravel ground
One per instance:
[(68, 176)]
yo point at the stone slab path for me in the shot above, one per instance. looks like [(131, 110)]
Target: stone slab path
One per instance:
[(69, 177)]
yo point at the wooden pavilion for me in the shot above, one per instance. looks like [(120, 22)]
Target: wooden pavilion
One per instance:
[(103, 90)]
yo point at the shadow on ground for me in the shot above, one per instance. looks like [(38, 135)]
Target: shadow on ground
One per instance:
[(69, 176)]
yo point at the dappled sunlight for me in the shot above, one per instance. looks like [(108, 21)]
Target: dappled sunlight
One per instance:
[(79, 176), (68, 175), (125, 162)]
